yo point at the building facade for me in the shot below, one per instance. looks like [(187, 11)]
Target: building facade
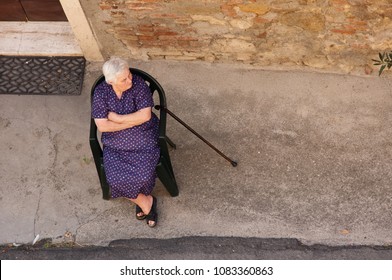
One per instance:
[(328, 35)]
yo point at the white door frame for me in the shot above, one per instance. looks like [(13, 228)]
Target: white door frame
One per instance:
[(82, 30)]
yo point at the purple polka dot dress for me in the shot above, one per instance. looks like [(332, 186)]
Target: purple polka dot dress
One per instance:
[(131, 155)]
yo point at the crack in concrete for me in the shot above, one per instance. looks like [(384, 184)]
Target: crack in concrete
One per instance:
[(51, 172), (104, 213), (36, 216)]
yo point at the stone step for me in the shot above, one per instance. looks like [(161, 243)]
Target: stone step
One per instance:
[(38, 39)]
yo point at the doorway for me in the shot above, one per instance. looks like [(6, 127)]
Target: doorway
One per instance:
[(35, 28), (46, 27), (31, 10)]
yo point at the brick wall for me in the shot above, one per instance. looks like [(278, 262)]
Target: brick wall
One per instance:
[(332, 35)]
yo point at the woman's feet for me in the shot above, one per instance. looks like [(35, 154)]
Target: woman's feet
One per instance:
[(139, 213), (152, 217)]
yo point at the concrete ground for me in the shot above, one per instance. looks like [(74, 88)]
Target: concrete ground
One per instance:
[(314, 154)]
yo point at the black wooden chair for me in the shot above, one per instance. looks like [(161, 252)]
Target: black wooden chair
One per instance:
[(164, 168)]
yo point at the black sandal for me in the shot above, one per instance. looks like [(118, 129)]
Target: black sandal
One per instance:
[(138, 211), (153, 215)]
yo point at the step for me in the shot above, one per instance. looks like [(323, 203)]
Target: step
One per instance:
[(39, 38)]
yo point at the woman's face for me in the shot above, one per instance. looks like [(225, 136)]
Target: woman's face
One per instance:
[(123, 81)]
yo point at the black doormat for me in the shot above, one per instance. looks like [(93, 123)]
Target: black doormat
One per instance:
[(41, 75)]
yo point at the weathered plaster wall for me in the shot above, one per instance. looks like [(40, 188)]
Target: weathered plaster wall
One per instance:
[(330, 35)]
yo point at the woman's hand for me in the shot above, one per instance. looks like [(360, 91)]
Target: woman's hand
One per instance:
[(116, 122), (114, 117)]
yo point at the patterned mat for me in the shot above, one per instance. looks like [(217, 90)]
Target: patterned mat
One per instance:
[(38, 75)]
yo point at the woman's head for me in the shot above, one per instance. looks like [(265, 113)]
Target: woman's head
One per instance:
[(112, 68), (116, 72)]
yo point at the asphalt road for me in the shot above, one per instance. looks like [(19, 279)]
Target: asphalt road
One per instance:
[(196, 248)]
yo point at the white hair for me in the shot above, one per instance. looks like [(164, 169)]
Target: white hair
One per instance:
[(112, 68)]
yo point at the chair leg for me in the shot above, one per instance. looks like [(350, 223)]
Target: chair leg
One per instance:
[(167, 179), (170, 142), (104, 184)]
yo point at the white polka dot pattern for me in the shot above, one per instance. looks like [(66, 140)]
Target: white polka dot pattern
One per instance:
[(130, 156)]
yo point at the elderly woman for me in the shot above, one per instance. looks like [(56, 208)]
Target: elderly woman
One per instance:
[(122, 111)]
